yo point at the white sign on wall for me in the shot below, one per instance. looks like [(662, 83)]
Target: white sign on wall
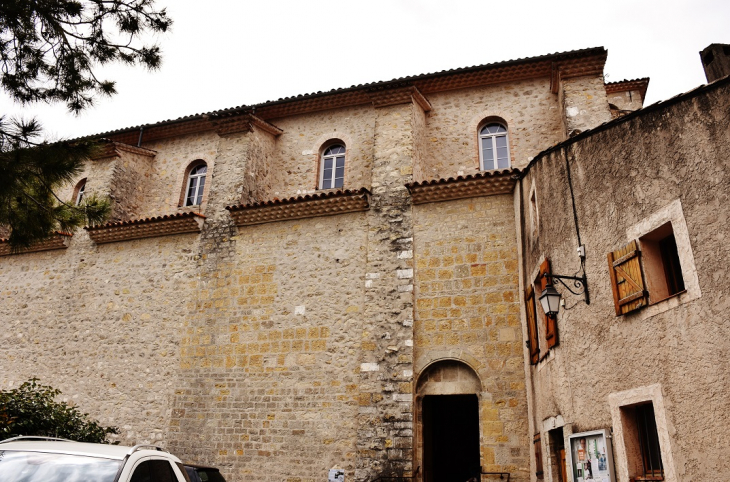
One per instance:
[(336, 475)]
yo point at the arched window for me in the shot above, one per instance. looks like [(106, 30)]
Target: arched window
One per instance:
[(332, 173), (79, 192), (494, 148), (196, 185)]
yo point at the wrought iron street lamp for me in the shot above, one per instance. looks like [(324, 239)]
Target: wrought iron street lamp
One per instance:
[(550, 297)]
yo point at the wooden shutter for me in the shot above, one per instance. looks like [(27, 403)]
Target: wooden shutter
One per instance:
[(538, 455), (551, 322), (533, 338), (627, 279)]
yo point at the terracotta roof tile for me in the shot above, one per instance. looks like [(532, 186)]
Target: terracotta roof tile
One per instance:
[(625, 85), (57, 241), (179, 223), (325, 203), (485, 183), (563, 64)]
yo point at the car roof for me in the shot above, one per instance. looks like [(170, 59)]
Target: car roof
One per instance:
[(205, 467), (81, 448)]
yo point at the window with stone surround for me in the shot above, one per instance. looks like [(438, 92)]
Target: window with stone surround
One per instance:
[(332, 167), (195, 184), (79, 191), (656, 270), (493, 147)]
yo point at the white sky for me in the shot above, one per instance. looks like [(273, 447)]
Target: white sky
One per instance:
[(227, 53)]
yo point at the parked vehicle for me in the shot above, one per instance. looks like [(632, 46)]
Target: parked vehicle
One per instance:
[(200, 473), (47, 459)]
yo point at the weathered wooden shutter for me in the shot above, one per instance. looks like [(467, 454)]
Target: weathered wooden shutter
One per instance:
[(538, 455), (551, 322), (532, 325), (627, 279)]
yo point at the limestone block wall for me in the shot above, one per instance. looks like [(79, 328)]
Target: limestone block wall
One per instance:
[(528, 107), (99, 175), (584, 103), (129, 185), (629, 100), (298, 150), (165, 184), (676, 349), (259, 175), (268, 380), (102, 324), (467, 309), (385, 412)]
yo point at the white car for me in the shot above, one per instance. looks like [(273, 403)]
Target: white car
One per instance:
[(45, 459)]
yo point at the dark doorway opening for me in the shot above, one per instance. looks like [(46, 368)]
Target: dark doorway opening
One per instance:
[(450, 438), (557, 448)]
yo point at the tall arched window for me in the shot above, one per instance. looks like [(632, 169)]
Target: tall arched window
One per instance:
[(79, 192), (196, 185), (332, 173), (494, 148)]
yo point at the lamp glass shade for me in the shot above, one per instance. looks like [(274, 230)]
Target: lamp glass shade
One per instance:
[(550, 300)]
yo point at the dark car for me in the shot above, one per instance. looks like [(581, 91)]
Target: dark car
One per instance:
[(200, 473)]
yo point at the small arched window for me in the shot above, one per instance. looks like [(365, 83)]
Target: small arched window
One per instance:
[(79, 192), (332, 174), (493, 147), (196, 185)]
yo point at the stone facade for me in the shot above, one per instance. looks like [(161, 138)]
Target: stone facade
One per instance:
[(329, 329)]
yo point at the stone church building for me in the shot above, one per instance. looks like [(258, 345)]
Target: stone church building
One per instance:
[(352, 279)]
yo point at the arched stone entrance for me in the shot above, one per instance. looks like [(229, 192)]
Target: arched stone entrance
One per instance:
[(447, 428)]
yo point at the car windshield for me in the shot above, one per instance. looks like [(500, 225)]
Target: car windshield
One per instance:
[(20, 466)]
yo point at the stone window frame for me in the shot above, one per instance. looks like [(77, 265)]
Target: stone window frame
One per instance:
[(480, 126), (673, 213), (79, 192), (334, 141), (636, 396), (186, 184)]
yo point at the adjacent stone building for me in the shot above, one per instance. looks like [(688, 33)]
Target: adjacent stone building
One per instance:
[(348, 279)]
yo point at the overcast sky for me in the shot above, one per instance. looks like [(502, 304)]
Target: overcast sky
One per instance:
[(227, 53)]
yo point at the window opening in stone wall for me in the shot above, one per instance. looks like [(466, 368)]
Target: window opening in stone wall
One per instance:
[(332, 173), (450, 438), (80, 189), (662, 268), (493, 147), (195, 185), (534, 216), (643, 453)]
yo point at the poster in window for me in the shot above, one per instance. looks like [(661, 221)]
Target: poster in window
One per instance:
[(591, 457)]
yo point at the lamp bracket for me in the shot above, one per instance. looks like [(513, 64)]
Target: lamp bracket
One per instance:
[(579, 283)]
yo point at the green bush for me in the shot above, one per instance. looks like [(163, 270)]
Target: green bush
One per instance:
[(31, 409)]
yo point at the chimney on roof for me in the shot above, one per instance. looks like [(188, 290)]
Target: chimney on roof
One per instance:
[(716, 61)]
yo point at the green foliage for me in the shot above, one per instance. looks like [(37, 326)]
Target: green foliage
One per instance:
[(48, 52), (31, 409), (48, 48), (31, 173)]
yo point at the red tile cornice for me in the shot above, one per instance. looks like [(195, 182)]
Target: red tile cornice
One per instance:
[(179, 223), (56, 241), (486, 183), (625, 85), (326, 203)]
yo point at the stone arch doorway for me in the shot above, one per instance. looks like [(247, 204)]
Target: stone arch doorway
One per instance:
[(447, 428)]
